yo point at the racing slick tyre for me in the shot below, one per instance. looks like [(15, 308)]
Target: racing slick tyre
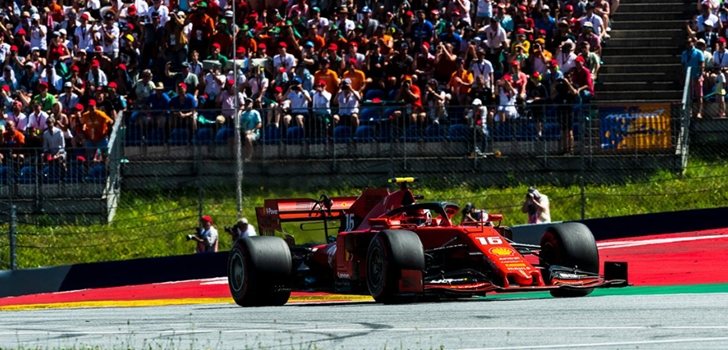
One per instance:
[(570, 245), (390, 252), (259, 271)]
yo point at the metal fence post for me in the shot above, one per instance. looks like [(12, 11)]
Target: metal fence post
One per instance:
[(12, 233)]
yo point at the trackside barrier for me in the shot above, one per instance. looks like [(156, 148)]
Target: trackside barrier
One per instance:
[(198, 266)]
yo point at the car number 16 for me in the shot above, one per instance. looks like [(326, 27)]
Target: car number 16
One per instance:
[(490, 240)]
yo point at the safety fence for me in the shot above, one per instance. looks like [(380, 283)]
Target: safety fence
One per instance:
[(625, 160), (399, 131)]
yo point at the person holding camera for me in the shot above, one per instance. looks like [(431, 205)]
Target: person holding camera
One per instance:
[(536, 206), (206, 236), (241, 229)]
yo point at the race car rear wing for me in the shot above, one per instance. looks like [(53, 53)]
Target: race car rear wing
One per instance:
[(277, 211)]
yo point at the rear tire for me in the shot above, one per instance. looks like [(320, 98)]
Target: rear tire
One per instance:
[(259, 271), (570, 245), (390, 252)]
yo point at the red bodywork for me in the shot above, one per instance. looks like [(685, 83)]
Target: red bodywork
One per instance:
[(480, 249)]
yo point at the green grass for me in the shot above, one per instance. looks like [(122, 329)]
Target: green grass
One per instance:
[(155, 224)]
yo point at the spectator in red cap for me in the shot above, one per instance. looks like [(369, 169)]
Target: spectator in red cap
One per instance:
[(84, 33), (96, 76), (581, 79), (283, 58), (206, 236), (357, 77), (44, 99), (96, 127), (184, 109), (328, 75), (216, 55)]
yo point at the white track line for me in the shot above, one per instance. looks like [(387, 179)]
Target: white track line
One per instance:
[(627, 244), (608, 344)]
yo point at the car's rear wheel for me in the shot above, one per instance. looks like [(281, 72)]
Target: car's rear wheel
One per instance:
[(570, 245), (259, 271), (390, 252)]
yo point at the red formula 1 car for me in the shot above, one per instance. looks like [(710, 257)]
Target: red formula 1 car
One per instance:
[(396, 249)]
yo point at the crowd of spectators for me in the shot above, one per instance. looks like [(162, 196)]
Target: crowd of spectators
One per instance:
[(706, 53), (71, 67)]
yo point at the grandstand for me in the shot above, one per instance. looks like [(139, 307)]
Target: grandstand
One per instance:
[(334, 94)]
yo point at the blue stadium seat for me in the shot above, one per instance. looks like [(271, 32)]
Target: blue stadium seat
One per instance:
[(179, 137), (52, 174), (271, 135), (5, 174), (342, 134), (434, 133), (551, 131), (96, 173), (133, 136), (76, 172), (27, 175), (364, 133), (374, 93), (223, 134), (459, 133), (154, 137), (203, 136), (384, 133), (502, 131), (295, 135), (411, 134), (525, 131)]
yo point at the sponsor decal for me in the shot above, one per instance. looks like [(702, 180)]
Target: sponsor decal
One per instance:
[(512, 265), (640, 127), (343, 275), (501, 251), (270, 211)]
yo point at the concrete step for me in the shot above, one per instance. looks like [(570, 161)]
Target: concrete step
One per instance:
[(649, 16), (646, 24), (640, 86), (637, 68), (655, 7), (648, 33), (643, 42), (642, 76), (630, 51), (644, 59), (644, 95)]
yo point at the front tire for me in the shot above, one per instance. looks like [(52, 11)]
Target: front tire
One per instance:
[(570, 245), (259, 271), (390, 252)]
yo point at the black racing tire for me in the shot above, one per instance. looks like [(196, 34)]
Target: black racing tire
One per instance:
[(259, 271), (571, 245), (390, 252)]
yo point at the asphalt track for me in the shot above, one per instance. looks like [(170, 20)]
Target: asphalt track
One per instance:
[(656, 314), (677, 321)]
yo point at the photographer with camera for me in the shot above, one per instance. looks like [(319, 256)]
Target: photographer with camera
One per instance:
[(241, 229), (206, 236), (536, 206)]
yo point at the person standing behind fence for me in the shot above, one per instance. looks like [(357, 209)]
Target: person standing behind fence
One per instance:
[(96, 126), (537, 207), (206, 236)]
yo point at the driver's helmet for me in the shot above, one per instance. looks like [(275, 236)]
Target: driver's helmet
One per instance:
[(421, 217), (467, 208)]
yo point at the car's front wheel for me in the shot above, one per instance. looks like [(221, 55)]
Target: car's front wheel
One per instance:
[(570, 245), (390, 252)]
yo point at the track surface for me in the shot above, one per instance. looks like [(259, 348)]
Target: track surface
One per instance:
[(681, 310), (677, 321)]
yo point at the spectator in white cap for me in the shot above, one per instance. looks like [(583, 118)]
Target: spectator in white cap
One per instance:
[(241, 229), (38, 34), (706, 16)]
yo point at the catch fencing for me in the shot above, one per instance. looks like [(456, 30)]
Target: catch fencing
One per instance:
[(162, 172)]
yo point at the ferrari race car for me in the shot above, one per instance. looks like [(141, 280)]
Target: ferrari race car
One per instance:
[(389, 246)]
